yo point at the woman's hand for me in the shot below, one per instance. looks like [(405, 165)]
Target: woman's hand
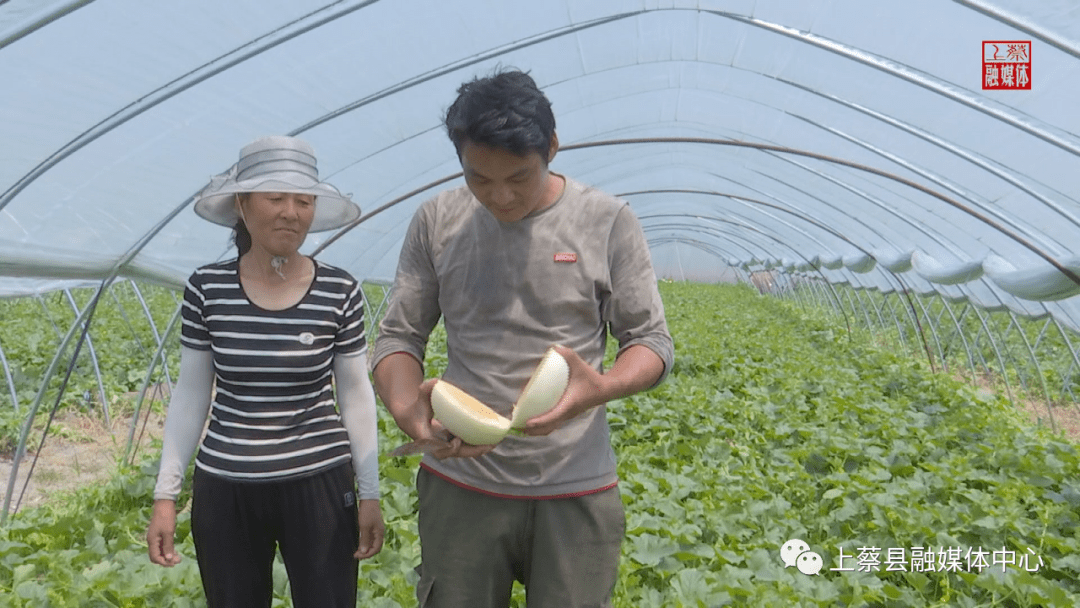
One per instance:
[(160, 534), (372, 529)]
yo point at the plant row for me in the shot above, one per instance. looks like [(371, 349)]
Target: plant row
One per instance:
[(775, 424)]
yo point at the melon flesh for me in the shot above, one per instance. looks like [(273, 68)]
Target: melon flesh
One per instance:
[(475, 423), (545, 388), (466, 417)]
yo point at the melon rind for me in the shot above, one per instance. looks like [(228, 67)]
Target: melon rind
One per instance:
[(464, 416), (544, 389)]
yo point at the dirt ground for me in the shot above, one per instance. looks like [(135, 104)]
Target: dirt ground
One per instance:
[(1062, 417), (81, 449), (1066, 417)]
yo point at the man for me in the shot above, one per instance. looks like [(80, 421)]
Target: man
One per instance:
[(518, 260)]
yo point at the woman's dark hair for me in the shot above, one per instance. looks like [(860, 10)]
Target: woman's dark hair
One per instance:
[(505, 110), (241, 236)]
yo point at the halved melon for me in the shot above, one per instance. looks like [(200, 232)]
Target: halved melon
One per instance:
[(466, 417), (544, 389)]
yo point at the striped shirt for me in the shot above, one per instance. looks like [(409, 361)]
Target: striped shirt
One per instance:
[(273, 416)]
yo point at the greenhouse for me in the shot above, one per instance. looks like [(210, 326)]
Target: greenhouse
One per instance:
[(862, 215)]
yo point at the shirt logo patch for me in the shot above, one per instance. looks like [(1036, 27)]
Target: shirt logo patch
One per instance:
[(568, 258), (307, 338)]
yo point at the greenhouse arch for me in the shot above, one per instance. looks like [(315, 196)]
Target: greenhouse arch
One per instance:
[(906, 170)]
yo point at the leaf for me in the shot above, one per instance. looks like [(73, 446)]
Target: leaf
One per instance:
[(22, 573), (713, 475), (649, 549), (31, 590)]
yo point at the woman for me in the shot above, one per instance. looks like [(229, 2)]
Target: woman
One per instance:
[(277, 331)]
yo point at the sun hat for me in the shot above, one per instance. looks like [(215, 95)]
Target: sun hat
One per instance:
[(278, 163)]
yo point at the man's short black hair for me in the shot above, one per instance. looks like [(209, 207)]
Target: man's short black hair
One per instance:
[(506, 111)]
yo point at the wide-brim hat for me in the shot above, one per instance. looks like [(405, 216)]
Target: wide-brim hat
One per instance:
[(275, 164)]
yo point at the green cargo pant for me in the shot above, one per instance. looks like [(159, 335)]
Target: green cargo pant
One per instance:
[(474, 546)]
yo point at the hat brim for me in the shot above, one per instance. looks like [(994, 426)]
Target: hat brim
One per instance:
[(217, 202)]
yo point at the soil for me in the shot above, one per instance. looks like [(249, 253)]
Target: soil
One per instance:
[(1063, 419), (80, 449), (1066, 417)]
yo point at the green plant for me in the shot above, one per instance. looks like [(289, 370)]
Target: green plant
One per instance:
[(772, 425)]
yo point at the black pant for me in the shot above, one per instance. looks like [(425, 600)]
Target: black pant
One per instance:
[(237, 526)]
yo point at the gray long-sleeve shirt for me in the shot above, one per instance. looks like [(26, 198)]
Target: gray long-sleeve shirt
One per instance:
[(508, 291)]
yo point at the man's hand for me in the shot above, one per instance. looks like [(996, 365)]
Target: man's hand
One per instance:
[(439, 441), (636, 369), (160, 534), (399, 380), (417, 418), (456, 448), (372, 529), (584, 391)]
